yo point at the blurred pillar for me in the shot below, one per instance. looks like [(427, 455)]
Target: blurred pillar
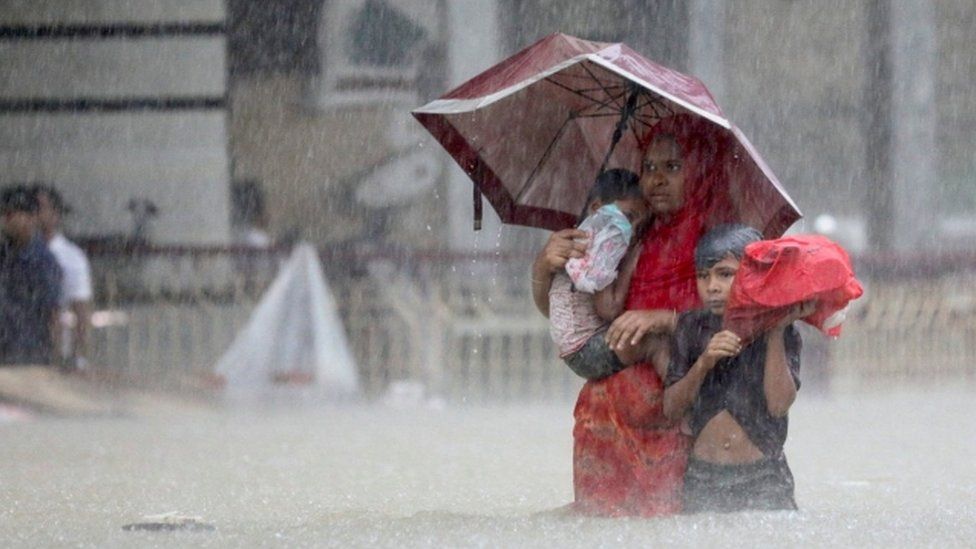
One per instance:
[(900, 120), (706, 44), (914, 171), (473, 45), (877, 124)]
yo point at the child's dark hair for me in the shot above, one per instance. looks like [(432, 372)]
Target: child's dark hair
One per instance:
[(612, 185), (723, 240)]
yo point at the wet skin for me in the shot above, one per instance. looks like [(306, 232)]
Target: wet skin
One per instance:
[(663, 176), (662, 183), (722, 440)]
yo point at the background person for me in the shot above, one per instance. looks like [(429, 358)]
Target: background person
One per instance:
[(30, 283), (76, 287)]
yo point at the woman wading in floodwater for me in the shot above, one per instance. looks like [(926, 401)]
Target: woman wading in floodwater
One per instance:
[(628, 458)]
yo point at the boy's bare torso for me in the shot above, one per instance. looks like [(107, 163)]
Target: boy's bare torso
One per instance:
[(723, 441)]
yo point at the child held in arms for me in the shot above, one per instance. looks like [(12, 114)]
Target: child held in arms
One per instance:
[(591, 291), (736, 397)]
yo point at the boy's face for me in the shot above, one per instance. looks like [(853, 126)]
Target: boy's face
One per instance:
[(714, 283), (635, 209)]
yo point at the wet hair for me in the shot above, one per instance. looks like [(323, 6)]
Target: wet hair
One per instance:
[(610, 186), (716, 244), (18, 198)]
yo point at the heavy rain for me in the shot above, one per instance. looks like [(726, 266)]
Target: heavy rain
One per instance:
[(273, 273)]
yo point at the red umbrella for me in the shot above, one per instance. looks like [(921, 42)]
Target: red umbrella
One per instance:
[(534, 131)]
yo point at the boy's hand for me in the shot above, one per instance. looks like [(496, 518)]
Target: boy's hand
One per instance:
[(798, 311), (630, 327), (562, 246), (724, 344)]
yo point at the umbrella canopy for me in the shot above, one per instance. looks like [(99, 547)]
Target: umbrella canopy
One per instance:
[(534, 131)]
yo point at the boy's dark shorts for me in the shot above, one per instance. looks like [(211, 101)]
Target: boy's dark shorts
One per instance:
[(766, 485), (595, 359)]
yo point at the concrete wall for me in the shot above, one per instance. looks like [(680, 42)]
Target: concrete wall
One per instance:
[(796, 79), (175, 157), (792, 74), (311, 161), (794, 84), (956, 105)]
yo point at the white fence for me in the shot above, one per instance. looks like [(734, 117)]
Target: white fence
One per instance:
[(472, 332)]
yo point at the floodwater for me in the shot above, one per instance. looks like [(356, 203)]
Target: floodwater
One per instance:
[(892, 469)]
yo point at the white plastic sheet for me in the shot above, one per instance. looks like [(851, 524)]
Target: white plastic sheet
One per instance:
[(294, 333)]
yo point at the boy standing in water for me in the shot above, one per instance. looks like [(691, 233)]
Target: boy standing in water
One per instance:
[(738, 395)]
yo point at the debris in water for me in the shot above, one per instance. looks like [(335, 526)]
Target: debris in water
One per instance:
[(168, 522)]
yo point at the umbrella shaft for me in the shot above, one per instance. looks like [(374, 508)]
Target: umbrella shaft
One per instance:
[(618, 132)]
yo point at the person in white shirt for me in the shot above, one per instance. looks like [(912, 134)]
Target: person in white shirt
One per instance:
[(76, 293)]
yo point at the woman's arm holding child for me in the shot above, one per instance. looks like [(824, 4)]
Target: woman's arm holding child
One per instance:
[(562, 246)]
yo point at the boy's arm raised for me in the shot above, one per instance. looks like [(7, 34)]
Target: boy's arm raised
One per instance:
[(778, 384)]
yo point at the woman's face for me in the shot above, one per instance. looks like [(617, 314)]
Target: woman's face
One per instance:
[(663, 176)]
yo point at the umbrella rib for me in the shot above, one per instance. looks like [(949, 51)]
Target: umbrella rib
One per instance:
[(545, 156), (646, 119), (598, 87), (599, 103), (597, 115), (662, 106), (601, 84), (571, 90), (650, 116), (656, 104), (637, 139), (591, 77), (651, 102), (612, 98)]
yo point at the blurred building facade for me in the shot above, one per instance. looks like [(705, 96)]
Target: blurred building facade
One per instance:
[(802, 78), (864, 110), (293, 116), (120, 104)]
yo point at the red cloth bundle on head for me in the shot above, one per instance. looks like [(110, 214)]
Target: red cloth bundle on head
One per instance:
[(775, 275)]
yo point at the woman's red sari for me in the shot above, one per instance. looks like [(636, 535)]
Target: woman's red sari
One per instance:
[(628, 459)]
